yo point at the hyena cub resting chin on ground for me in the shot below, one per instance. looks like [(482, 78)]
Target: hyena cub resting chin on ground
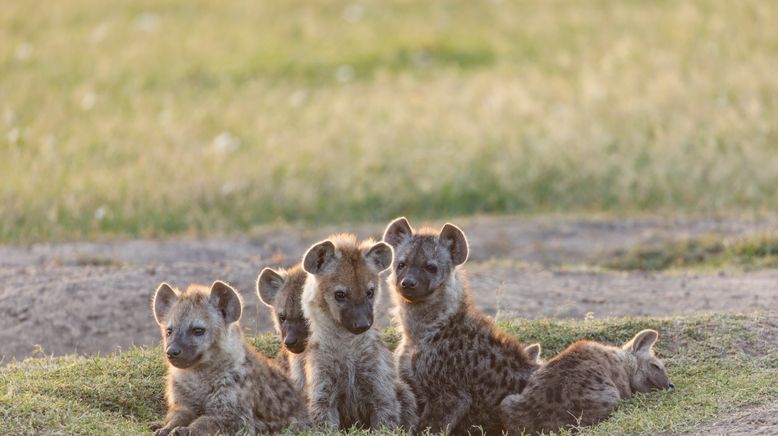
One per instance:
[(350, 376), (281, 290), (216, 382), (583, 384), (456, 361)]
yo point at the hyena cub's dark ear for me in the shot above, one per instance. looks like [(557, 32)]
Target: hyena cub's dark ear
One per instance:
[(456, 241), (227, 301), (533, 351), (397, 231), (379, 256), (164, 298), (320, 258), (269, 283), (643, 341)]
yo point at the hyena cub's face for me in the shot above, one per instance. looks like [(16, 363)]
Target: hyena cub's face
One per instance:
[(347, 279), (281, 290), (424, 260), (650, 373), (192, 322)]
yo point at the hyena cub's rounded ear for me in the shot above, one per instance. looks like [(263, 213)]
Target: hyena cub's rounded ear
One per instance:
[(533, 351), (379, 256), (164, 298), (456, 241), (643, 341), (398, 231), (269, 283), (320, 258), (226, 300)]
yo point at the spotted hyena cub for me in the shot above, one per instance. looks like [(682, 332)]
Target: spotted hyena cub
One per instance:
[(281, 290), (459, 365), (350, 375), (217, 382), (583, 384)]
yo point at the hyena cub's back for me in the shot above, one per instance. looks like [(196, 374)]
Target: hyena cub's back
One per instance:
[(456, 361), (216, 382), (281, 290), (350, 376), (583, 384)]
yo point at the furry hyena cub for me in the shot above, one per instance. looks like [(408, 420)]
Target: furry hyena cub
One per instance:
[(456, 361), (583, 384), (350, 375), (216, 382), (281, 290)]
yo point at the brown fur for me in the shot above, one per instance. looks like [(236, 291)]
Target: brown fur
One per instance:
[(350, 376), (217, 382), (583, 384), (281, 290), (459, 365)]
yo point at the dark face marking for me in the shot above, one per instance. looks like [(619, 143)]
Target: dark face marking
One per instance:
[(422, 266), (282, 292)]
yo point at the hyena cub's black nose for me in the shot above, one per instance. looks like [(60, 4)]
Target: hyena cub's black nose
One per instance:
[(173, 352), (672, 386), (362, 326), (290, 342), (408, 283)]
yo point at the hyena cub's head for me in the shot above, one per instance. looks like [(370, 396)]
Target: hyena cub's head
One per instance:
[(346, 278), (424, 260), (193, 322), (650, 374), (282, 290)]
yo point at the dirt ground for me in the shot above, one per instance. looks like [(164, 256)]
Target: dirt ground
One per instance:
[(90, 297)]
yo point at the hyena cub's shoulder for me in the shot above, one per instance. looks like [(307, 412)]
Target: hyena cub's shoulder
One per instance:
[(457, 362), (583, 384), (350, 375), (216, 382), (281, 290)]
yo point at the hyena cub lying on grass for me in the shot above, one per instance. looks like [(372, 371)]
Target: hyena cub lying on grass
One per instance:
[(583, 384), (216, 382), (281, 290), (456, 361), (350, 376)]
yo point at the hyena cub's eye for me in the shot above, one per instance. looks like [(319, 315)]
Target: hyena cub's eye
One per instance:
[(370, 292), (431, 268), (340, 295), (281, 318), (656, 367), (198, 331), (400, 265), (168, 332)]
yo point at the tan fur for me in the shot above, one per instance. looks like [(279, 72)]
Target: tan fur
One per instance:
[(458, 364), (582, 386), (285, 300), (223, 385), (351, 378)]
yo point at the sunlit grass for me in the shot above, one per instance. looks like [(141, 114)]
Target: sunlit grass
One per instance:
[(159, 117)]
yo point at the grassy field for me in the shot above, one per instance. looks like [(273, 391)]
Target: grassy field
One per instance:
[(719, 364), (130, 118)]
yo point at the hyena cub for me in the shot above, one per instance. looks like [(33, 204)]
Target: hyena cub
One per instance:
[(456, 361), (350, 375), (217, 382), (583, 384), (281, 290)]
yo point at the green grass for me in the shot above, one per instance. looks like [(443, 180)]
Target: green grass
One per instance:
[(146, 118), (719, 364), (704, 252)]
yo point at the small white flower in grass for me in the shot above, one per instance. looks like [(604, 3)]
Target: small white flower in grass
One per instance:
[(225, 143), (353, 13), (100, 213), (589, 316), (344, 73), (147, 22), (88, 100), (23, 51)]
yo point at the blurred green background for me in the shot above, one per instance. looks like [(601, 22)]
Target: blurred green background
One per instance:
[(146, 118)]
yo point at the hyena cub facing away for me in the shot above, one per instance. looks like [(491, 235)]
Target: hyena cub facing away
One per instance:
[(456, 361), (350, 376), (282, 290), (217, 382), (583, 384)]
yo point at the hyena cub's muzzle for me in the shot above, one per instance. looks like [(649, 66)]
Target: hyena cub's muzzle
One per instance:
[(357, 318), (294, 334), (180, 352)]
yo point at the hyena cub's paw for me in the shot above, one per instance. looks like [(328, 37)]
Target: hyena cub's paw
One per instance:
[(156, 425), (181, 431), (164, 431)]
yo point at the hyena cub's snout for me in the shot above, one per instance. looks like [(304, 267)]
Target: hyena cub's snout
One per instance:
[(650, 373), (294, 335), (347, 281), (281, 291), (192, 323)]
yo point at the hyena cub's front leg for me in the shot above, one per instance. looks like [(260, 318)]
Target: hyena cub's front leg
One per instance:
[(386, 406), (178, 417), (322, 397)]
